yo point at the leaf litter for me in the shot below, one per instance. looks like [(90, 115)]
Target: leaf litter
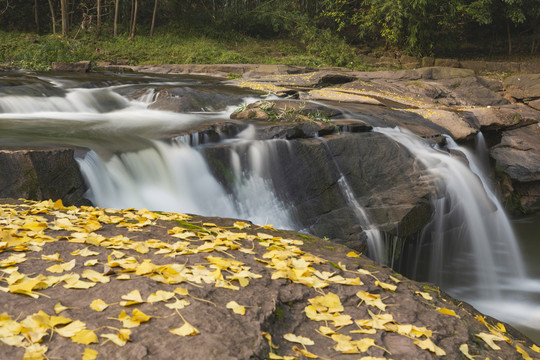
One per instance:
[(196, 255)]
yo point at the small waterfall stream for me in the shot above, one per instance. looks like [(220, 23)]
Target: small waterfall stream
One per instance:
[(468, 248)]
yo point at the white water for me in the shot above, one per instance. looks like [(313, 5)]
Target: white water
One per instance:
[(469, 248)]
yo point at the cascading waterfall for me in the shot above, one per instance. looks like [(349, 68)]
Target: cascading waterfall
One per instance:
[(176, 177), (374, 236), (469, 248)]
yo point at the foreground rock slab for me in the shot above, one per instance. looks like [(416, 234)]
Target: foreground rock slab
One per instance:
[(136, 284)]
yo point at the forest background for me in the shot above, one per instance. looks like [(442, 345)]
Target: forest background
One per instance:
[(34, 33)]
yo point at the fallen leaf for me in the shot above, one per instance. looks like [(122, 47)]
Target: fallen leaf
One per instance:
[(304, 352), (523, 353), (298, 339), (58, 308), (464, 348), (89, 354), (425, 295), (85, 337), (121, 338), (446, 311), (185, 330), (429, 345), (236, 308), (133, 298), (98, 305), (59, 268), (352, 254), (490, 338), (71, 329)]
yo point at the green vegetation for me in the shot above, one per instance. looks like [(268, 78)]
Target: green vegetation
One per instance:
[(298, 32)]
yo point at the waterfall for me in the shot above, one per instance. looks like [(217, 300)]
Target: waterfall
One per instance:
[(175, 177), (469, 247), (374, 236)]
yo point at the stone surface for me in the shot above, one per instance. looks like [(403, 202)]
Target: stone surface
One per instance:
[(81, 66), (456, 126), (41, 175), (276, 302), (499, 118), (518, 157), (523, 86)]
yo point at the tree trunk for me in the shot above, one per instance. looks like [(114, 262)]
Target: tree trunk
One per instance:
[(63, 7), (36, 16), (509, 33), (132, 35), (98, 21), (115, 26), (53, 19), (153, 18), (131, 16)]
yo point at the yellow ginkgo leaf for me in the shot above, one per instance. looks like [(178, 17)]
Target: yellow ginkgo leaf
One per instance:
[(425, 295), (58, 308), (352, 254), (59, 268), (89, 354), (372, 299), (98, 305), (134, 297), (85, 337), (160, 295), (304, 352), (55, 257), (185, 330), (236, 308), (364, 344), (386, 286), (446, 311), (95, 276), (35, 352), (120, 339), (490, 338), (298, 339), (123, 277), (91, 262), (268, 338), (71, 329), (464, 348), (138, 315), (178, 304), (523, 353), (535, 348), (429, 345), (328, 303), (241, 225)]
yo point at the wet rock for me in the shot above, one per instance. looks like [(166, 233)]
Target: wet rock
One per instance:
[(187, 99), (306, 80), (41, 175)]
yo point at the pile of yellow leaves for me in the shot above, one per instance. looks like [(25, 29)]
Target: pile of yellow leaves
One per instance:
[(29, 228)]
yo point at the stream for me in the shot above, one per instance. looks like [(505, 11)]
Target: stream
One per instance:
[(132, 154)]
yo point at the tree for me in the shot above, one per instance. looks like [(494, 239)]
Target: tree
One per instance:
[(53, 19), (153, 18), (64, 11), (115, 25), (134, 19)]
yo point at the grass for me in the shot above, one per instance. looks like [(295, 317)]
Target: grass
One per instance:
[(37, 52)]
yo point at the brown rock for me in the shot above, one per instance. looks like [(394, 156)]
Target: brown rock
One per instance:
[(523, 86), (81, 66)]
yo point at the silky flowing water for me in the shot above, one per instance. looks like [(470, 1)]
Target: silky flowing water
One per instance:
[(469, 248)]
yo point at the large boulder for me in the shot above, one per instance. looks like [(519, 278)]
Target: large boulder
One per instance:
[(326, 180), (518, 158), (523, 86), (41, 174)]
